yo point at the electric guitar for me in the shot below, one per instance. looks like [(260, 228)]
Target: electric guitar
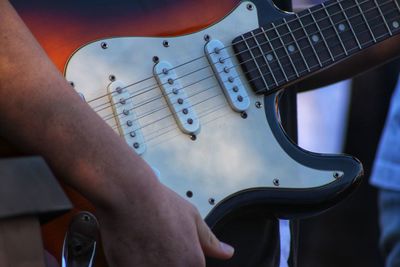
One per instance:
[(200, 102)]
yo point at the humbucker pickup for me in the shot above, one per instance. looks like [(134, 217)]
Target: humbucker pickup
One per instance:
[(227, 75), (128, 125), (177, 98)]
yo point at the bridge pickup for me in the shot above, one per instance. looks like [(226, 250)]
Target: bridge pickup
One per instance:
[(227, 75), (128, 125), (176, 97)]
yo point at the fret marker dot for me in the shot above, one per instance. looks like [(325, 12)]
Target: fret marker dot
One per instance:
[(342, 27), (291, 48), (395, 24), (270, 57), (315, 38)]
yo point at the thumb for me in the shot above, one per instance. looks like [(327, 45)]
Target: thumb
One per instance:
[(210, 244)]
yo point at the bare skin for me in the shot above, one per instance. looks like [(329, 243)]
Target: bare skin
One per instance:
[(143, 223)]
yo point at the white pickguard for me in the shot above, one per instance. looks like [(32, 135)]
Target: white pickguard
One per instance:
[(231, 153)]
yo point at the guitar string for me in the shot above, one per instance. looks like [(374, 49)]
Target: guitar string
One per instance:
[(174, 125), (261, 55), (108, 117), (154, 86), (164, 107), (329, 60), (180, 65), (151, 142), (212, 75), (156, 137), (286, 23), (144, 115)]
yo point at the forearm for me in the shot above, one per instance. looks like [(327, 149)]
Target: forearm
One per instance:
[(41, 114)]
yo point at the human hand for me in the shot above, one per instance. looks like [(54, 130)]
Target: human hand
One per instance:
[(158, 228)]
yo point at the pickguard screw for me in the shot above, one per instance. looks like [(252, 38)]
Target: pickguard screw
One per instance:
[(276, 182), (86, 218), (72, 84), (189, 194), (165, 43), (207, 37), (104, 45), (337, 175), (112, 78), (258, 104), (243, 115), (250, 7), (156, 59), (193, 137), (211, 201)]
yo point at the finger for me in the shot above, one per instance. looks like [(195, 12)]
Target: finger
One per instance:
[(210, 244)]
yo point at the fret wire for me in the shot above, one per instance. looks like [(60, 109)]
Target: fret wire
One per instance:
[(351, 50), (255, 61), (397, 5), (297, 44), (322, 35), (309, 41), (312, 46), (327, 61), (284, 48), (350, 25), (366, 22), (298, 17), (266, 60), (385, 35), (333, 25), (276, 56), (383, 17)]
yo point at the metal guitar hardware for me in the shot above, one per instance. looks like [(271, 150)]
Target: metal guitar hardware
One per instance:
[(80, 242)]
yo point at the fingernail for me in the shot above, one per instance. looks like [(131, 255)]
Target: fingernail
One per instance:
[(227, 248)]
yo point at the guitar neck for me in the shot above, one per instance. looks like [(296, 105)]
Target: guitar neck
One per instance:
[(289, 49)]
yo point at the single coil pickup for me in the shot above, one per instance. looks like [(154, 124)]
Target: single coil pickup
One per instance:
[(228, 78), (124, 114), (177, 98)]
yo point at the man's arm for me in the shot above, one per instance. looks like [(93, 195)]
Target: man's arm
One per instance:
[(41, 114)]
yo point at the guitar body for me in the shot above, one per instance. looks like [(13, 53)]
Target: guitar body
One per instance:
[(233, 159)]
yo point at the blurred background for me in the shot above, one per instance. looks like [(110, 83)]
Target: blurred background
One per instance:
[(347, 117)]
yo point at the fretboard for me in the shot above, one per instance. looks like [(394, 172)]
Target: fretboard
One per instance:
[(303, 43)]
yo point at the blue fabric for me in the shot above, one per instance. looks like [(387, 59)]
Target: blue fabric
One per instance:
[(386, 176), (386, 170), (389, 220)]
